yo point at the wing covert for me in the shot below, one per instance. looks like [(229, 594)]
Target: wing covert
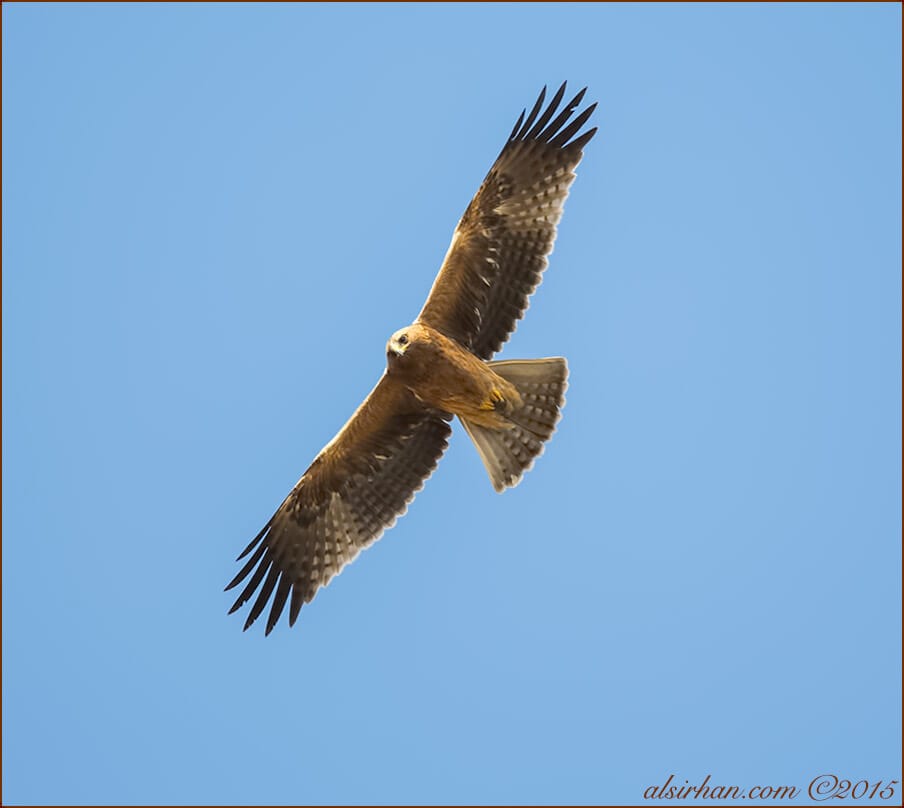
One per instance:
[(499, 248)]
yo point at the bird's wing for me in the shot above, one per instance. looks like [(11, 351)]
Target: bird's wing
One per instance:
[(355, 489), (499, 248)]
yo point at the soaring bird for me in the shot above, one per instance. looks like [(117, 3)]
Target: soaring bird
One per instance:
[(438, 367)]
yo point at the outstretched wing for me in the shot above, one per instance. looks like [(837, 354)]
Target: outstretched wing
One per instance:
[(356, 487), (499, 248)]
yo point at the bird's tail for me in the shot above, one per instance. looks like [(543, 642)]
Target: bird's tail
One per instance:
[(508, 453)]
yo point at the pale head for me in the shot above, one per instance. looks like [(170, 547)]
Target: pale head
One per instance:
[(398, 343)]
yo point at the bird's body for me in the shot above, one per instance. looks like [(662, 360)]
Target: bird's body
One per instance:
[(444, 375), (439, 367)]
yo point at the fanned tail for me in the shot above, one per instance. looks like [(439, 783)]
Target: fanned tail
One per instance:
[(508, 453)]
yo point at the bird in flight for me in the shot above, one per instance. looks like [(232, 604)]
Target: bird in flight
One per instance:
[(438, 367)]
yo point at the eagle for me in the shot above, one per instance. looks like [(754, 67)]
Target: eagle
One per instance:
[(437, 368)]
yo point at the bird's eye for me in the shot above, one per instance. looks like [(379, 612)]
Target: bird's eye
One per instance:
[(403, 339)]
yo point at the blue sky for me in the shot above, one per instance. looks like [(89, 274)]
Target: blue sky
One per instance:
[(213, 218)]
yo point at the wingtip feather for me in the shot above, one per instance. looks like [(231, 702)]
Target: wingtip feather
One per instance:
[(535, 110), (579, 142), (517, 125), (562, 138), (547, 114), (255, 540)]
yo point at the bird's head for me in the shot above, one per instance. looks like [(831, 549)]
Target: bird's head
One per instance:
[(406, 348), (398, 344)]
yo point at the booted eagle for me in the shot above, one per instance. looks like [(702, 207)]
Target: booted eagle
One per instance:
[(437, 368)]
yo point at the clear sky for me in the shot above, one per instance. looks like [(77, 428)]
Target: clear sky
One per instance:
[(214, 217)]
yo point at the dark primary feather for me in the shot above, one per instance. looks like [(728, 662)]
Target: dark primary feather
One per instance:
[(354, 490), (500, 247)]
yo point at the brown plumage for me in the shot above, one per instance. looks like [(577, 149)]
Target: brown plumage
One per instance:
[(437, 368)]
